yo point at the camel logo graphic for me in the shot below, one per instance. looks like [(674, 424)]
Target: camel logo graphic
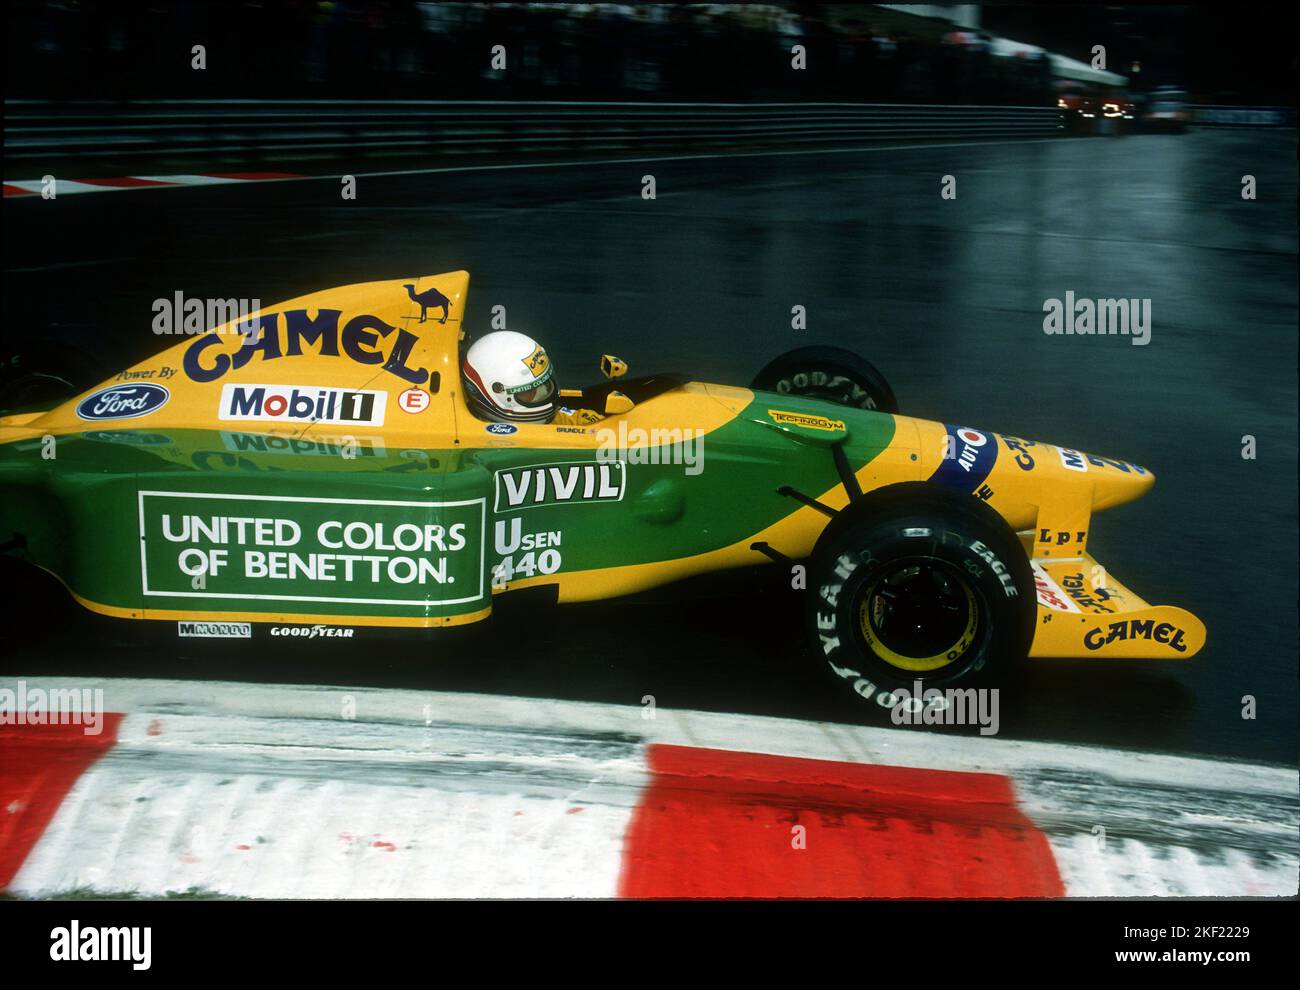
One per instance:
[(429, 299), (537, 363)]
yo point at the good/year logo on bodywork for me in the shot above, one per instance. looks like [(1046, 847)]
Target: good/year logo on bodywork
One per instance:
[(559, 484)]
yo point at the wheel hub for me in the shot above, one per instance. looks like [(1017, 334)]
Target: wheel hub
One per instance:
[(919, 616)]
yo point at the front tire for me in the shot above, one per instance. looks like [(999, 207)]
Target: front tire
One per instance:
[(920, 588)]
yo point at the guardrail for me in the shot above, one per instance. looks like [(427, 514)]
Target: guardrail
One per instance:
[(284, 130), (1210, 116)]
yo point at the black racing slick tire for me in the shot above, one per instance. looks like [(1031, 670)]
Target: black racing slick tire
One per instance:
[(920, 587), (831, 374)]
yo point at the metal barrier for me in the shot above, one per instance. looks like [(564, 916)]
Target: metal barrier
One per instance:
[(1208, 116), (305, 129)]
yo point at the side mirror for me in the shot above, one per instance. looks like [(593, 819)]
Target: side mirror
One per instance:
[(612, 367), (616, 403)]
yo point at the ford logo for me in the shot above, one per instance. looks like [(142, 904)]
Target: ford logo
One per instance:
[(123, 402), (501, 429)]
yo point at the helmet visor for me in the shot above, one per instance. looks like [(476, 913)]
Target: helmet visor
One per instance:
[(535, 395), (537, 392)]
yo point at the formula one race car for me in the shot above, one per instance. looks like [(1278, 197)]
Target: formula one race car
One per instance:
[(314, 469)]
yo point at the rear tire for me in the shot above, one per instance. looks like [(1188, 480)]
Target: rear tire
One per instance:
[(920, 587), (831, 374)]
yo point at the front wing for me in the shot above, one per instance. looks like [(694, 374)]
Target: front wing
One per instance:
[(1084, 611)]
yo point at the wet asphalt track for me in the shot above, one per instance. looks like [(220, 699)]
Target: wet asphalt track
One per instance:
[(944, 296)]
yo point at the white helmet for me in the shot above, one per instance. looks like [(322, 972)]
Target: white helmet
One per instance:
[(508, 376)]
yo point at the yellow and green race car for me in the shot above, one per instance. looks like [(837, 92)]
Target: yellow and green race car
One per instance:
[(315, 470)]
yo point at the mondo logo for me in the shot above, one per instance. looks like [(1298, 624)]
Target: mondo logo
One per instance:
[(214, 630), (123, 402), (298, 403)]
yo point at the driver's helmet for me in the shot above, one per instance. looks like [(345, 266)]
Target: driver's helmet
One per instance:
[(508, 376)]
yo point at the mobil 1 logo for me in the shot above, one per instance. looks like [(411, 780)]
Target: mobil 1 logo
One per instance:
[(300, 404)]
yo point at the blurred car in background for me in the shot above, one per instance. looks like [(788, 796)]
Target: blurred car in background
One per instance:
[(1166, 110), (1079, 107), (1118, 114)]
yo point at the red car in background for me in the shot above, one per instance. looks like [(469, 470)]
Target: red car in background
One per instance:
[(1085, 111), (1079, 109)]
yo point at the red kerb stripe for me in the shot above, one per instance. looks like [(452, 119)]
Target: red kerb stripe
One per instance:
[(722, 824), (126, 182), (38, 766)]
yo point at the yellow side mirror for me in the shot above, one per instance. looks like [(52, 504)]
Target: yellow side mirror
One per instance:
[(612, 367), (616, 403)]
